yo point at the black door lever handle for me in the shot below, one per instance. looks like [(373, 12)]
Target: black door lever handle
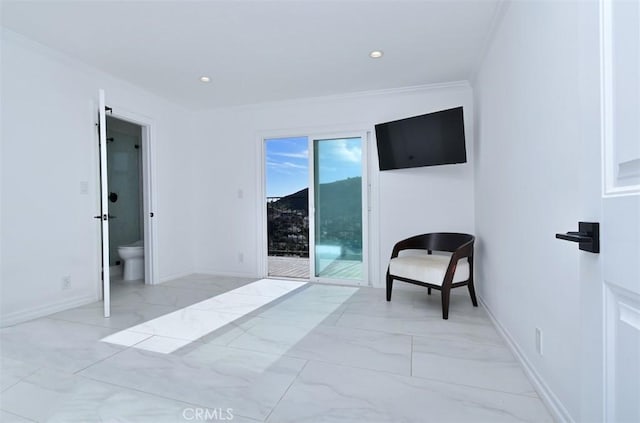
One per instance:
[(588, 236), (575, 237)]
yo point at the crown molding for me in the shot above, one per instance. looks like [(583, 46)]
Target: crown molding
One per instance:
[(414, 89)]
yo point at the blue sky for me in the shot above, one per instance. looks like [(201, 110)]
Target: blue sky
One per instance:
[(288, 163)]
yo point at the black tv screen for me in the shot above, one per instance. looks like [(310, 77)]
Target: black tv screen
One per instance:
[(427, 140)]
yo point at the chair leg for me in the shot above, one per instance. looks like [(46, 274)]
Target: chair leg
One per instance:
[(445, 304), (428, 291), (472, 292), (389, 285)]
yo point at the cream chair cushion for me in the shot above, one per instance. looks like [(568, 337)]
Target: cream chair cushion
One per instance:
[(430, 268)]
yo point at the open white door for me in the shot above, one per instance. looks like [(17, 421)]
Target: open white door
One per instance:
[(104, 203), (621, 208)]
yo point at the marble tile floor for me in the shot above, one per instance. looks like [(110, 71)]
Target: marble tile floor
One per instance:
[(319, 353), (179, 328)]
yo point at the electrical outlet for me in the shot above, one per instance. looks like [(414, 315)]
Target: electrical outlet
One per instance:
[(241, 257), (539, 341), (66, 282)]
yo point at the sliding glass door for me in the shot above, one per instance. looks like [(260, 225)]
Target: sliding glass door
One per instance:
[(316, 227), (338, 209)]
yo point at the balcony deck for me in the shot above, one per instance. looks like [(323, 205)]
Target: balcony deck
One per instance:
[(298, 268), (289, 267)]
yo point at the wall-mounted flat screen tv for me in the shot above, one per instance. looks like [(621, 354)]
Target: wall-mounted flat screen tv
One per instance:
[(427, 140)]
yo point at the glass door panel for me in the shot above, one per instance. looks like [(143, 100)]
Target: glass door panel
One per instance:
[(287, 204), (338, 208)]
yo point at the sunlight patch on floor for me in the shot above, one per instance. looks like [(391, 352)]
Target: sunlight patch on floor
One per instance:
[(175, 330)]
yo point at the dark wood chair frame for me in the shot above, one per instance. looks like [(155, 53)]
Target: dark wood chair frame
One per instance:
[(460, 245)]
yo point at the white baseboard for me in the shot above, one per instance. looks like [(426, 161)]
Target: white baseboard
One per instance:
[(553, 403), (174, 276), (206, 272), (214, 272), (45, 310)]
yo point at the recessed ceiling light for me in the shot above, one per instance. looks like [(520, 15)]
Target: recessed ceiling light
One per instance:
[(205, 79), (376, 54)]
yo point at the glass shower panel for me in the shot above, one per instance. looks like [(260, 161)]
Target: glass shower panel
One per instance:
[(125, 195), (338, 208)]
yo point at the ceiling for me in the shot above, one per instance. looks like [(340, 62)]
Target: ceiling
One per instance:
[(261, 51)]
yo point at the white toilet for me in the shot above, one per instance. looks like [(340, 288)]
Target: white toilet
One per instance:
[(133, 257)]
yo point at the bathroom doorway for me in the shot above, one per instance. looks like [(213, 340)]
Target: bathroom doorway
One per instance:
[(126, 201), (129, 197), (124, 176)]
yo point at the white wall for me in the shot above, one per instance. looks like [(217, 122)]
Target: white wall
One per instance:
[(49, 147), (536, 98), (405, 202)]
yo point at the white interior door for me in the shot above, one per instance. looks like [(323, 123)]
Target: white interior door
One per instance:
[(104, 203), (621, 208)]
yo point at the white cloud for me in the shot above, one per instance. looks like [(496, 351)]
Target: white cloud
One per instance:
[(286, 167), (341, 150), (301, 155)]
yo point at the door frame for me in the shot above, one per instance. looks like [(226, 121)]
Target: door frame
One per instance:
[(370, 237), (148, 187)]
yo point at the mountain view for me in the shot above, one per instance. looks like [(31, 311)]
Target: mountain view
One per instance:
[(338, 214)]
